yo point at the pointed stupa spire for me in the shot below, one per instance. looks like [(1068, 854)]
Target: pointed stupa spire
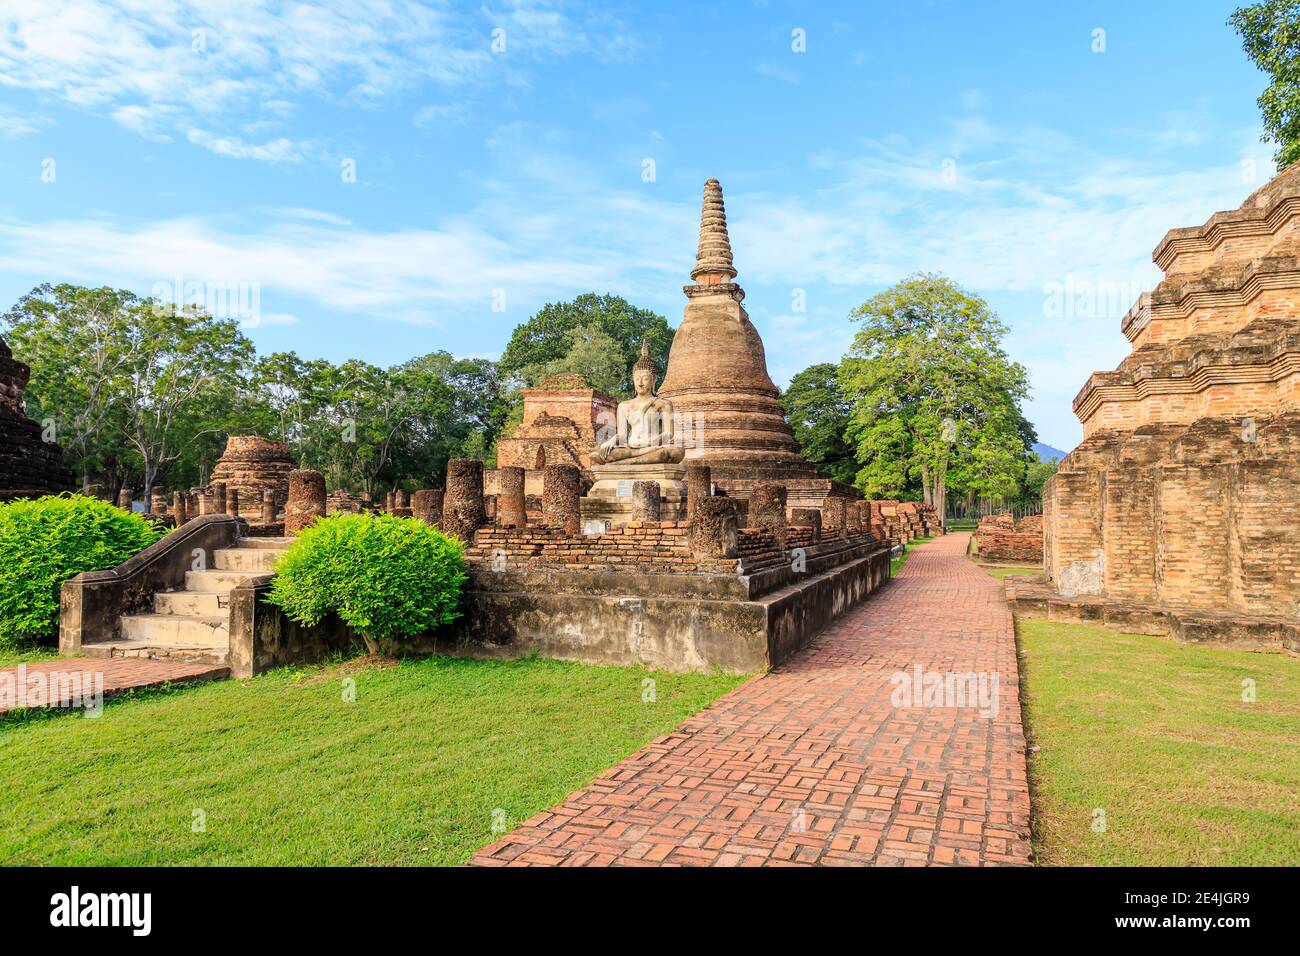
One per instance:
[(713, 257)]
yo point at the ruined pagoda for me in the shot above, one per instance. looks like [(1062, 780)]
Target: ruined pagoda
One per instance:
[(30, 466), (1171, 515), (718, 383)]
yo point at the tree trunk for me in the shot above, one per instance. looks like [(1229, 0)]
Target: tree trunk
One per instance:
[(372, 646)]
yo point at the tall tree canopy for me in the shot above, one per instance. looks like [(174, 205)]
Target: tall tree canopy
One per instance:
[(130, 383), (819, 412), (547, 337), (1270, 34), (935, 397)]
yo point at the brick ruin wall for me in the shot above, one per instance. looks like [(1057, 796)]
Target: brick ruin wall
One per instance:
[(1002, 538), (651, 546)]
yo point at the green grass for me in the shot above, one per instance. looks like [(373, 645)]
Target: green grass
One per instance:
[(287, 772), (1157, 736), (12, 656), (1000, 573), (896, 563)]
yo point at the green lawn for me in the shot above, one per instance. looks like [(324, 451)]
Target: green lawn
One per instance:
[(896, 563), (287, 772), (26, 653), (1156, 735), (1000, 573)]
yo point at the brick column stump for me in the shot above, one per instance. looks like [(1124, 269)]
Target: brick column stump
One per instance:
[(645, 501), (699, 484), (713, 528), (562, 497), (463, 511), (808, 518), (268, 506), (767, 511), (835, 514), (306, 499), (426, 504), (511, 510)]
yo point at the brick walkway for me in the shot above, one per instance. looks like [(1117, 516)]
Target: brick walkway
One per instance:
[(813, 764), (76, 676)]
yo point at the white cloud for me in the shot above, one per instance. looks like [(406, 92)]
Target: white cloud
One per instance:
[(205, 70), (13, 125)]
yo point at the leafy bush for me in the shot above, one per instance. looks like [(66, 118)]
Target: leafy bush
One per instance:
[(45, 541), (385, 577)]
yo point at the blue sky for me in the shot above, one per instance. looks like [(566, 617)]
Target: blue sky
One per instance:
[(145, 141)]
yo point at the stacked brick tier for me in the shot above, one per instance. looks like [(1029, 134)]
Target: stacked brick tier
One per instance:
[(1002, 538), (1191, 448), (29, 465), (650, 546)]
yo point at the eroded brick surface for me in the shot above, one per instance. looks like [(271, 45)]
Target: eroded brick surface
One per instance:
[(812, 764)]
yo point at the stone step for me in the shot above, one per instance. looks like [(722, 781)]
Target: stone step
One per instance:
[(198, 631), (271, 544), (192, 603), (261, 560), (192, 653), (221, 582)]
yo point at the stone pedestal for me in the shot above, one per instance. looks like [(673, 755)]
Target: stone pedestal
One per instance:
[(610, 498)]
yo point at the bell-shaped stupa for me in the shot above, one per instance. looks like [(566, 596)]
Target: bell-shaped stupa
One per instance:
[(717, 371)]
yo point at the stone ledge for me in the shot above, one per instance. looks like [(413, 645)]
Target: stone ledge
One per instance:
[(1032, 596)]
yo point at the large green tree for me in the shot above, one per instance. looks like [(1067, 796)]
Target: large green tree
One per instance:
[(548, 335), (935, 397), (133, 385), (1270, 34), (820, 412), (75, 340)]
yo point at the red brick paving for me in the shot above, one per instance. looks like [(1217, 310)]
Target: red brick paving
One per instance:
[(119, 674), (811, 764)]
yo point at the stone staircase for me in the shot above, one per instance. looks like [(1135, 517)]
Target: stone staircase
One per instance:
[(193, 624)]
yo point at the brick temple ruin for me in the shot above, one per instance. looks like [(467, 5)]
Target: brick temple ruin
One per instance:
[(30, 466), (712, 547), (1171, 516)]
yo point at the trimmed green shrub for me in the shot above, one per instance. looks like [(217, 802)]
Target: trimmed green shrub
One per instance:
[(45, 541), (385, 577)]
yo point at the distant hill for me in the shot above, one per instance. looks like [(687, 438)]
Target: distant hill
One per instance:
[(1047, 452)]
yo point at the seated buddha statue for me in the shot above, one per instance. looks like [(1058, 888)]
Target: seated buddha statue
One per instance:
[(644, 433)]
